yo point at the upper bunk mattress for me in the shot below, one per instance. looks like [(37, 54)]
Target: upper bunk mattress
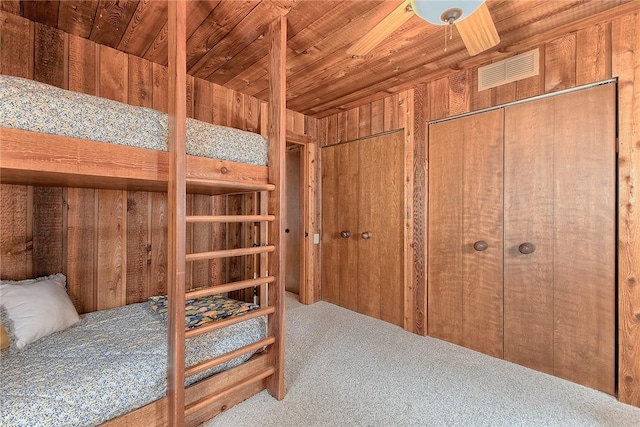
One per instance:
[(110, 363), (34, 106)]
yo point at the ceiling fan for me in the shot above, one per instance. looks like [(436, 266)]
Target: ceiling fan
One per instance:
[(471, 18)]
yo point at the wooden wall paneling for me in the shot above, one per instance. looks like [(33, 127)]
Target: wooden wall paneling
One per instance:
[(11, 6), (532, 86), (584, 165), (221, 104), (364, 120), (48, 212), (160, 93), (560, 64), (377, 116), (626, 66), (140, 75), (390, 115), (137, 249), (236, 109), (332, 130), (459, 96), (439, 98), (420, 200), (445, 291), (50, 47), (353, 124), (201, 241), (528, 279), (202, 100), (14, 241), (189, 96), (112, 249), (189, 243), (17, 45), (76, 17), (593, 54), (81, 248), (157, 259), (218, 267), (83, 66), (114, 82), (503, 94), (482, 219), (478, 100), (343, 127), (252, 114), (46, 13)]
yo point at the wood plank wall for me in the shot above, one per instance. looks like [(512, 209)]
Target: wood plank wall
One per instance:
[(594, 52), (111, 244)]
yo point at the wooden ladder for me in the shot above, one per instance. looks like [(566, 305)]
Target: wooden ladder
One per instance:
[(262, 281)]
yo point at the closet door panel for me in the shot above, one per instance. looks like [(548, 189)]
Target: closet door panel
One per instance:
[(445, 291), (584, 266), (482, 222), (339, 213), (380, 207), (528, 218)]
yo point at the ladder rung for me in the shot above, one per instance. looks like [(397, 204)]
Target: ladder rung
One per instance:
[(194, 332), (229, 287), (228, 253), (233, 185), (203, 366), (230, 218), (206, 401)]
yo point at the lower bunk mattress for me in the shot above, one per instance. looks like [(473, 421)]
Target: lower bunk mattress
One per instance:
[(110, 363)]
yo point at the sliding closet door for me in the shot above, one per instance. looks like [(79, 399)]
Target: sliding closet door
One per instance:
[(380, 234), (340, 225), (465, 231)]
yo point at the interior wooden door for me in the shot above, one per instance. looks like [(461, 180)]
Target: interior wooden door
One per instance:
[(340, 225), (560, 197), (380, 234), (465, 231), (292, 220)]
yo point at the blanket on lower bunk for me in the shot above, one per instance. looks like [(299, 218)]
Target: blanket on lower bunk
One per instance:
[(30, 105), (108, 364)]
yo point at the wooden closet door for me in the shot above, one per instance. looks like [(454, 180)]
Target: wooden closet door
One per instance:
[(340, 213), (465, 231), (560, 196), (584, 237), (528, 218), (380, 208)]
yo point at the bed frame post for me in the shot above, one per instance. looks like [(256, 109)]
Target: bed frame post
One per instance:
[(277, 147), (176, 199)]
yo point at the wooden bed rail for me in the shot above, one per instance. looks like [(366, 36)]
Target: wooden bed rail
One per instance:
[(211, 363), (230, 287)]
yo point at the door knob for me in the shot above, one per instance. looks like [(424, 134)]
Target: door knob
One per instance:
[(366, 235), (345, 234), (526, 248), (480, 245)]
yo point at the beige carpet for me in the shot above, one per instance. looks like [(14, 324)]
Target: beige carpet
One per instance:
[(345, 369)]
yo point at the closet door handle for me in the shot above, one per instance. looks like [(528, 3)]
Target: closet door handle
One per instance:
[(526, 248), (366, 235), (480, 245), (345, 234)]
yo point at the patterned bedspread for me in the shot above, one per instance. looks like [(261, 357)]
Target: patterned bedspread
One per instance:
[(30, 105), (111, 362)]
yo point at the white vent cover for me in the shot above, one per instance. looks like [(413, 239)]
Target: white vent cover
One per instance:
[(509, 70)]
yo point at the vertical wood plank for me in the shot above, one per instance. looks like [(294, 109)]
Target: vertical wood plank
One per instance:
[(221, 111), (201, 241), (202, 101), (16, 46), (140, 75), (137, 241), (459, 97), (113, 74), (532, 86), (83, 66), (364, 119), (158, 257), (343, 127), (478, 100), (49, 45), (160, 88), (332, 129), (47, 230), (81, 253), (252, 114), (353, 124), (593, 54), (377, 116), (626, 65), (560, 64), (111, 268), (14, 243), (390, 114), (504, 93), (439, 99)]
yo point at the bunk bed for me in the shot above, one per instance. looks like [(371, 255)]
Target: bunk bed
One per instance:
[(31, 157)]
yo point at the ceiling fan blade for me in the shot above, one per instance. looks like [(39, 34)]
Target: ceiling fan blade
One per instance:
[(382, 30), (478, 31)]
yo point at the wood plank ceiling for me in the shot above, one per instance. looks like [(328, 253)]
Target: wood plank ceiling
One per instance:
[(227, 41)]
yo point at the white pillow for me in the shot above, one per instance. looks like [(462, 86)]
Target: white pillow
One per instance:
[(36, 307)]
